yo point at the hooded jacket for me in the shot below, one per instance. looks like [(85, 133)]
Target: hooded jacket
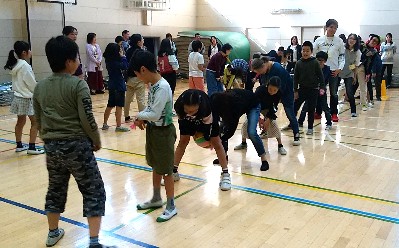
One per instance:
[(23, 79)]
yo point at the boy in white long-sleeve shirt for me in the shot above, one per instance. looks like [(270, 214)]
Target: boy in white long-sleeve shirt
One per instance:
[(335, 49), (160, 132)]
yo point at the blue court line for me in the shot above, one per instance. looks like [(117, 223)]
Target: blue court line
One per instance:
[(267, 193), (318, 204), (77, 223)]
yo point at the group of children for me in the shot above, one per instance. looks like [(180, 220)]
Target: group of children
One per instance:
[(70, 133)]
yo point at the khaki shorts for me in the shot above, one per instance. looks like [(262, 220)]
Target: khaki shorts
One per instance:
[(160, 148)]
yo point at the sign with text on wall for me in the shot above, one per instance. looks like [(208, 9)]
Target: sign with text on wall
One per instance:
[(74, 2)]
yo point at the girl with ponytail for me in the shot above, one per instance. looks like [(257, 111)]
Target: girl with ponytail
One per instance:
[(23, 85)]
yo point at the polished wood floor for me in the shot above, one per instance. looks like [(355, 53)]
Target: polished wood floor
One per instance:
[(337, 189)]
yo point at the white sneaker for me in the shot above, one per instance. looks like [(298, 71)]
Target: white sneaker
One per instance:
[(176, 177), (149, 204), (241, 146), (282, 151), (296, 142), (21, 149), (370, 105), (225, 182), (309, 132), (35, 152), (353, 115), (364, 107), (167, 215), (51, 241), (328, 127)]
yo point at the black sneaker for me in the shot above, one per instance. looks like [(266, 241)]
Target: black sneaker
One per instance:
[(216, 161), (264, 166), (101, 246)]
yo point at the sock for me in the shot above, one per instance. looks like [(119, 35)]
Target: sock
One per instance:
[(19, 144), (157, 195), (170, 203), (54, 233), (32, 146), (94, 241), (280, 145), (175, 168), (225, 170)]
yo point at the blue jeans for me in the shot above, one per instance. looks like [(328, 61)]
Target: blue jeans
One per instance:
[(253, 118), (212, 84), (290, 112), (334, 83)]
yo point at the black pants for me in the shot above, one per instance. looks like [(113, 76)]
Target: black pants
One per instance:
[(370, 89), (377, 83), (350, 93), (171, 78), (389, 73), (310, 96)]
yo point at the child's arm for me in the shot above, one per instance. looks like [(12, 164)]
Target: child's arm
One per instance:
[(153, 112), (29, 79), (38, 111), (86, 116), (320, 75)]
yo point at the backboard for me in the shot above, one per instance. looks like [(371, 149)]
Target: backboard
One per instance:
[(74, 2)]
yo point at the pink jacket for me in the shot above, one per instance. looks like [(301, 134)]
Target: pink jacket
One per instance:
[(93, 56)]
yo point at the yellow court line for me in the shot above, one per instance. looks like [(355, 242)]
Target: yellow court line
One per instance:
[(279, 181)]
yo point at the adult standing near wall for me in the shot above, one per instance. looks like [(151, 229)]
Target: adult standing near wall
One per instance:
[(172, 43), (72, 33), (133, 84), (335, 49), (94, 67), (190, 46), (388, 49), (125, 42), (296, 53), (214, 47)]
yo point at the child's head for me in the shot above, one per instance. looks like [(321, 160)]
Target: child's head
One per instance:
[(307, 49), (191, 101), (322, 58), (91, 38), (22, 50), (165, 48), (196, 45), (118, 40), (273, 85), (388, 38), (259, 65), (331, 27), (226, 49), (288, 53), (62, 54), (280, 51), (374, 40), (352, 42), (144, 65), (112, 52), (256, 55), (70, 32)]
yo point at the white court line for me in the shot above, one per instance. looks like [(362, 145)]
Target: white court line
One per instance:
[(357, 150), (371, 129)]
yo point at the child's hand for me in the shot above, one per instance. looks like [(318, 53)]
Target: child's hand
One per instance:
[(296, 96), (140, 124), (321, 92)]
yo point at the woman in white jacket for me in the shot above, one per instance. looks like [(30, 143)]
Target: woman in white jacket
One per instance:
[(388, 49), (23, 85)]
